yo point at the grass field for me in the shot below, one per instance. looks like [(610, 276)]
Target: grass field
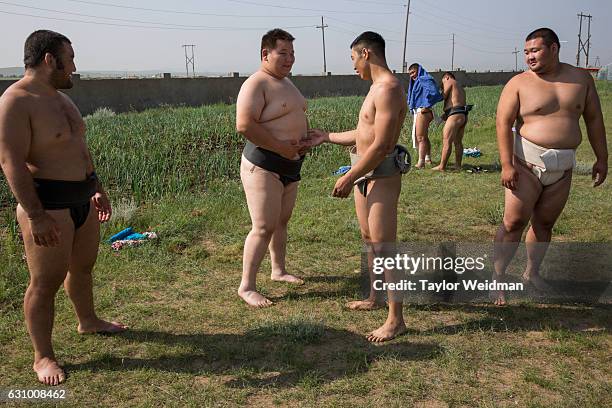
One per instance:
[(194, 343)]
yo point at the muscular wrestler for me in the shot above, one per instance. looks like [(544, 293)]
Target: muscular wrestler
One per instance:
[(375, 174), (270, 113), (546, 103), (455, 117), (61, 203)]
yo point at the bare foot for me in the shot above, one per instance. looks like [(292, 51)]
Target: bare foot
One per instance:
[(100, 326), (420, 165), (497, 296), (49, 372), (285, 277), (254, 299), (537, 282), (365, 305), (387, 331), (439, 168)]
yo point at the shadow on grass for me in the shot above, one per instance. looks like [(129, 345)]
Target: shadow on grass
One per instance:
[(279, 355), (524, 317)]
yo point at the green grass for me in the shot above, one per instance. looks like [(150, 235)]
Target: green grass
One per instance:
[(193, 342)]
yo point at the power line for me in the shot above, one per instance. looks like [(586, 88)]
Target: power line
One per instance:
[(254, 3), (129, 20), (454, 28), (456, 16), (202, 28), (121, 6)]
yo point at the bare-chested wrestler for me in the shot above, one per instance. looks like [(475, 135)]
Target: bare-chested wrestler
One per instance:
[(455, 116), (375, 174), (423, 94), (48, 166), (270, 113), (537, 161)]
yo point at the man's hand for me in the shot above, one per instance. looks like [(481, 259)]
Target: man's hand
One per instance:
[(509, 177), (45, 230), (289, 149), (599, 173), (102, 205), (317, 137), (343, 186)]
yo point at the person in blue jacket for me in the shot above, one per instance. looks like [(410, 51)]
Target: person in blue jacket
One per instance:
[(423, 94)]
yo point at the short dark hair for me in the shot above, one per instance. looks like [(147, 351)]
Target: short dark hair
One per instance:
[(268, 41), (370, 40), (41, 42), (449, 74), (546, 34), (413, 66)]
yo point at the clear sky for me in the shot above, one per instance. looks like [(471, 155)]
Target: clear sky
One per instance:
[(148, 34)]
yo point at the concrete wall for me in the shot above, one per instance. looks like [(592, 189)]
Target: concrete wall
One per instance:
[(122, 95)]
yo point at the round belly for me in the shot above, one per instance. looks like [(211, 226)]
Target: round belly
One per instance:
[(553, 132)]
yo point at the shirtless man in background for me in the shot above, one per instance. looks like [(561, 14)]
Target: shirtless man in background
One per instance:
[(374, 174), (48, 167), (455, 117), (546, 103), (271, 114)]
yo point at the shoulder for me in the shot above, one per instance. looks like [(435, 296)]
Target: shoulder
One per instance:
[(254, 82), (582, 75), (66, 98), (16, 98)]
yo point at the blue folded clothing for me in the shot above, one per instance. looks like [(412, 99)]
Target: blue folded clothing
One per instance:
[(121, 235), (342, 170)]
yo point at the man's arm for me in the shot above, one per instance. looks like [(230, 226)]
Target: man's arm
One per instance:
[(596, 132), (347, 138), (249, 105), (507, 111), (15, 141), (318, 136)]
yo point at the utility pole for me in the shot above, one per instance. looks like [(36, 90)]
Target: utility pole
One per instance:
[(189, 60), (453, 55), (515, 52), (322, 27), (597, 62), (586, 45), (404, 63)]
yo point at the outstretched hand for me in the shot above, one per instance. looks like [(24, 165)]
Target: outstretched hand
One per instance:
[(317, 137)]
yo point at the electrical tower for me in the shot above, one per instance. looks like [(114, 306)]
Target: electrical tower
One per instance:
[(584, 46), (453, 55), (189, 59), (322, 27), (515, 52)]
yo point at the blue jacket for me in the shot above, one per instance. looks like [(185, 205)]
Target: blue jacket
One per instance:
[(423, 91)]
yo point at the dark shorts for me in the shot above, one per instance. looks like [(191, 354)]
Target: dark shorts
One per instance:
[(287, 170), (456, 110), (72, 195)]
